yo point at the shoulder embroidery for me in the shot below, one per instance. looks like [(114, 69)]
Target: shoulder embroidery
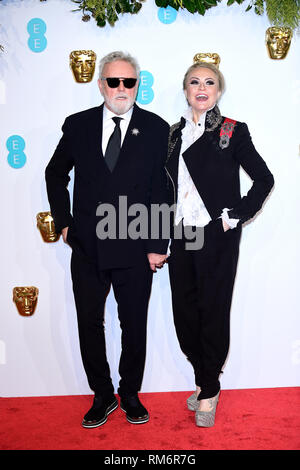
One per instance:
[(173, 138), (213, 119), (226, 132)]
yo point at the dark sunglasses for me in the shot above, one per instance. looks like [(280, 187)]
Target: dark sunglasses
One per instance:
[(114, 82)]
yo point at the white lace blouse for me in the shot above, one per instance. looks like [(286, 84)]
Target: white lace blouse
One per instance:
[(190, 206)]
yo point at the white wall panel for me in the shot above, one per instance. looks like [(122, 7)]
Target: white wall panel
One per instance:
[(39, 355)]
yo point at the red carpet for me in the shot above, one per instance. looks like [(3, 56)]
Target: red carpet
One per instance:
[(261, 419)]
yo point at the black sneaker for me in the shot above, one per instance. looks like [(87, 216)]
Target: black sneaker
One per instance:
[(101, 408), (136, 413)]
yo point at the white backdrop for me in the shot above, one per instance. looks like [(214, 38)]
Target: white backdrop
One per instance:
[(39, 355)]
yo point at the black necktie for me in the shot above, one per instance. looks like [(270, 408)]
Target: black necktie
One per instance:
[(114, 145)]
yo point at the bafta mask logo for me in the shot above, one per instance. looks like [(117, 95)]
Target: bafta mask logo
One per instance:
[(25, 299), (82, 64), (278, 40), (209, 57), (46, 227)]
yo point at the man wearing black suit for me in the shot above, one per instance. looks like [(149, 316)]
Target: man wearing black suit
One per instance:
[(116, 150)]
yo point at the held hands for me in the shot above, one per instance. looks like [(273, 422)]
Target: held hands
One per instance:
[(156, 260)]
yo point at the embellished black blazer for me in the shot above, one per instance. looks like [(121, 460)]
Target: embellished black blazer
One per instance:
[(214, 168)]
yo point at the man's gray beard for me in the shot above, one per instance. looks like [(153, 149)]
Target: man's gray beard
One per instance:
[(119, 108)]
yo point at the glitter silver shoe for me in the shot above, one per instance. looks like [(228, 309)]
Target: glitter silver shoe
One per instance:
[(206, 419), (192, 402)]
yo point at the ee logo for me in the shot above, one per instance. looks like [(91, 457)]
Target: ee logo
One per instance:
[(145, 92), (15, 145), (167, 15), (36, 29)]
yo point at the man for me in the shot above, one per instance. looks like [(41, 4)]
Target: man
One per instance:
[(102, 175)]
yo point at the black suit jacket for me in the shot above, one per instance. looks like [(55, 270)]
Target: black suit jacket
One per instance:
[(139, 175), (215, 171)]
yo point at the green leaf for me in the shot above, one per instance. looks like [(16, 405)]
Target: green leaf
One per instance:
[(201, 8), (190, 6), (101, 23), (174, 4), (137, 7), (211, 3), (161, 3)]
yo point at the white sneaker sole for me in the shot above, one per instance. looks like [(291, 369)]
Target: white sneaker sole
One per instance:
[(109, 410), (141, 421)]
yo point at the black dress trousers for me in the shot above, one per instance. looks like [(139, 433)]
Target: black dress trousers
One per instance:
[(132, 288), (202, 284)]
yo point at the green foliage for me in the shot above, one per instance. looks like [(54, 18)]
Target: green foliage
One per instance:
[(106, 11), (280, 12), (284, 13), (193, 6)]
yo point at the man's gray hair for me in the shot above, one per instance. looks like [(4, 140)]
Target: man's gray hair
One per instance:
[(119, 55)]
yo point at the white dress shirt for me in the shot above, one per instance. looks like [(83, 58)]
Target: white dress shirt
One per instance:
[(108, 125), (190, 206)]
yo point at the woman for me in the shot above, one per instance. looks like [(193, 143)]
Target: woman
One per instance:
[(206, 152)]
